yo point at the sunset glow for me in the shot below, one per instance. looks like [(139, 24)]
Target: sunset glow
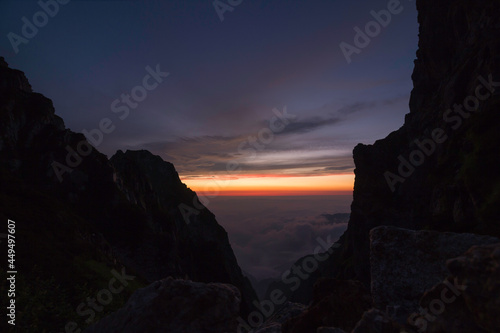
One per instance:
[(261, 185)]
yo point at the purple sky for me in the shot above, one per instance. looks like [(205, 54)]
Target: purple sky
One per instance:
[(225, 77)]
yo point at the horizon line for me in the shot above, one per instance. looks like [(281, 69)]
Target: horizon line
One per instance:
[(264, 193)]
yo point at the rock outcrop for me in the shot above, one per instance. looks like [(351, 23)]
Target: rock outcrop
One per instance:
[(376, 321), (405, 263), (329, 330), (176, 306), (274, 323), (336, 303), (12, 78), (437, 171), (453, 187), (466, 301), (189, 243), (88, 215)]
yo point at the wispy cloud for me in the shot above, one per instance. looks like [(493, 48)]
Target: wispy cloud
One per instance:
[(309, 124)]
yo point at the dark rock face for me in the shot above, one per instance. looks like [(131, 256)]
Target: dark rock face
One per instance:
[(376, 321), (436, 171), (478, 271), (468, 300), (115, 213), (13, 78), (455, 189), (329, 330), (176, 306), (192, 245), (336, 303), (276, 320), (443, 309), (406, 263)]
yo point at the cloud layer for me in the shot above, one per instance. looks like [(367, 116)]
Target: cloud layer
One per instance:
[(269, 233)]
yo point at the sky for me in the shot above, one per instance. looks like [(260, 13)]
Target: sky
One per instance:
[(256, 100)]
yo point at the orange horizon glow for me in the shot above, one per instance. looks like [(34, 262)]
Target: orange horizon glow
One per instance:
[(271, 185)]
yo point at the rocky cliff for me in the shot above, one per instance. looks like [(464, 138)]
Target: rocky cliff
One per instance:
[(439, 170), (80, 217), (177, 230)]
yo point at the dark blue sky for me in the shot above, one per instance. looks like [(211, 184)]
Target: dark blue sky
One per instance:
[(225, 77)]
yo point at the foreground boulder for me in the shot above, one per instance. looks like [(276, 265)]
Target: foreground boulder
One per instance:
[(406, 263), (329, 330), (376, 321), (176, 306), (336, 303), (467, 301), (283, 314)]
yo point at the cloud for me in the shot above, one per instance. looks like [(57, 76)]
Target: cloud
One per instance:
[(312, 145), (278, 241), (211, 154), (309, 124), (306, 147), (338, 168), (268, 234), (355, 107), (338, 218)]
